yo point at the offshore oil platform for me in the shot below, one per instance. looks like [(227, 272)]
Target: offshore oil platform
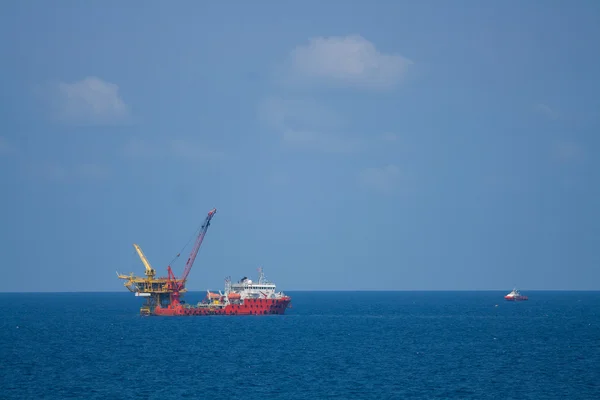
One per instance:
[(164, 294)]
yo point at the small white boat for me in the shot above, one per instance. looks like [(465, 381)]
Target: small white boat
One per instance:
[(515, 295)]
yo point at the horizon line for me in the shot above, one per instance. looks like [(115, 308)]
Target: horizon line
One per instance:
[(321, 290)]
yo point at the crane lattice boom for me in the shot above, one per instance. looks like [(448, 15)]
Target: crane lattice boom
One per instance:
[(192, 257)]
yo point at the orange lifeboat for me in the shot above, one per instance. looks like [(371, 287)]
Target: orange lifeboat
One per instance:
[(234, 296)]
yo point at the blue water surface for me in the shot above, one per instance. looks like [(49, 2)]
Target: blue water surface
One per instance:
[(329, 345)]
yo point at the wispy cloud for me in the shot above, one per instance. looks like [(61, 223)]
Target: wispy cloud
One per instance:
[(90, 101), (180, 149), (545, 110), (54, 170), (347, 60), (57, 172), (279, 178), (382, 179), (567, 151), (193, 151), (6, 147), (340, 60), (137, 148), (389, 137), (296, 113), (92, 171), (323, 142), (307, 125), (48, 171)]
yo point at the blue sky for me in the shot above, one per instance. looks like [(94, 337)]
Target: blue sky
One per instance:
[(345, 145)]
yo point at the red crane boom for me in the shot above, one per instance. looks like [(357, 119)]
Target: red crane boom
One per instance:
[(188, 265)]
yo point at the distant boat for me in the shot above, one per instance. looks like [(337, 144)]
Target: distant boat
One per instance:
[(515, 295)]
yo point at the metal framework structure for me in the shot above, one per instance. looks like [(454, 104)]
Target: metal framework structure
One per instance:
[(163, 291)]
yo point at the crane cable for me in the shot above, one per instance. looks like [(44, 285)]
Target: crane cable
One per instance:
[(188, 242)]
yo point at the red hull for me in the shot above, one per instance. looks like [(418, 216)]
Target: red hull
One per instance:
[(250, 307), (515, 298)]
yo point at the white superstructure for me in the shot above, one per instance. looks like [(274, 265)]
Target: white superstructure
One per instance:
[(236, 293), (248, 289)]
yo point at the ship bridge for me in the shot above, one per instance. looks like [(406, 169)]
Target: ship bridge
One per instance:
[(252, 286)]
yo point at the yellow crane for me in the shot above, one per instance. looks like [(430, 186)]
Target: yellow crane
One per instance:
[(150, 284), (155, 289), (162, 291), (150, 272)]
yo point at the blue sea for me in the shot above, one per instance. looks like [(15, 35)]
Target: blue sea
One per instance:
[(329, 345)]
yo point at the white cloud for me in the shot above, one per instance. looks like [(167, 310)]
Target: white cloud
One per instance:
[(383, 179), (348, 60), (179, 149), (89, 101), (546, 110)]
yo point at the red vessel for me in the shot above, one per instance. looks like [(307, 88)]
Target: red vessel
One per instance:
[(163, 294), (515, 295), (242, 298)]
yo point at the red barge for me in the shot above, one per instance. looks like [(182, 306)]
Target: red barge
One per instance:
[(164, 294), (242, 298)]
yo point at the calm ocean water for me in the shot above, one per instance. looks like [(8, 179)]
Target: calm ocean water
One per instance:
[(342, 345)]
